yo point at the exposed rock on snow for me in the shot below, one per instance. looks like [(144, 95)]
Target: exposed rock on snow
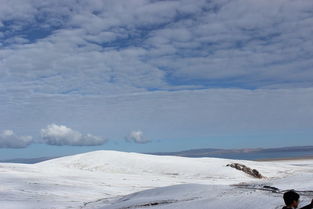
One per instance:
[(252, 172)]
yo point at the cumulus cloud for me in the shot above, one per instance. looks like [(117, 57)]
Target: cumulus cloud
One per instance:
[(137, 137), (52, 135), (8, 139), (61, 135)]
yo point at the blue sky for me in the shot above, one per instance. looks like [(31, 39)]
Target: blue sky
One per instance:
[(154, 75)]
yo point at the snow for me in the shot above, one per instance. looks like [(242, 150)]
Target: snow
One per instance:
[(120, 180)]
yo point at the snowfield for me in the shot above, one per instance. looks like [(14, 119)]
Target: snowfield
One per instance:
[(120, 180)]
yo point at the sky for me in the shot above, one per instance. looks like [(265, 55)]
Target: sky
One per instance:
[(151, 76)]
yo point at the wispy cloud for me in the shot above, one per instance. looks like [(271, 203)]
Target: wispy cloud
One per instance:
[(165, 115)]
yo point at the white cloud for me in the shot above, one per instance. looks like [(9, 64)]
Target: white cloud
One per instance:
[(109, 47), (53, 135), (61, 135), (109, 55), (8, 139), (137, 137)]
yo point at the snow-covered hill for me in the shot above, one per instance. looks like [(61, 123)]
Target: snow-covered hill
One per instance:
[(111, 179)]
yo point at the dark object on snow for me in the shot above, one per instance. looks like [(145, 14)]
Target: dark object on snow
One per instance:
[(252, 172), (271, 188)]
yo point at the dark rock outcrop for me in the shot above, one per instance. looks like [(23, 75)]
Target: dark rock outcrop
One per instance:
[(252, 172)]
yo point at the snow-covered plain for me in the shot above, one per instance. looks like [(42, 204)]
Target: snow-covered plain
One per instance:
[(119, 180)]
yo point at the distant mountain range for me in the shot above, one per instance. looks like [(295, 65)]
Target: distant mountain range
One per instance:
[(305, 150), (246, 153), (27, 160)]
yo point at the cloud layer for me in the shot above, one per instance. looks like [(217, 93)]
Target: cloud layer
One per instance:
[(180, 68), (108, 47)]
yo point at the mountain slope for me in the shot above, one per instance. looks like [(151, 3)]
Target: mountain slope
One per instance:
[(103, 178)]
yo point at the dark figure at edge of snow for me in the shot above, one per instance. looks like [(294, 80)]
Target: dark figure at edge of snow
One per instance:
[(291, 199)]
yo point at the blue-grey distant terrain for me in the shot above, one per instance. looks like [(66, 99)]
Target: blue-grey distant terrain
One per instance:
[(246, 153)]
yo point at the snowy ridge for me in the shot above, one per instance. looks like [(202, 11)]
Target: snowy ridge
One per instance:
[(111, 179), (136, 163), (142, 164)]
